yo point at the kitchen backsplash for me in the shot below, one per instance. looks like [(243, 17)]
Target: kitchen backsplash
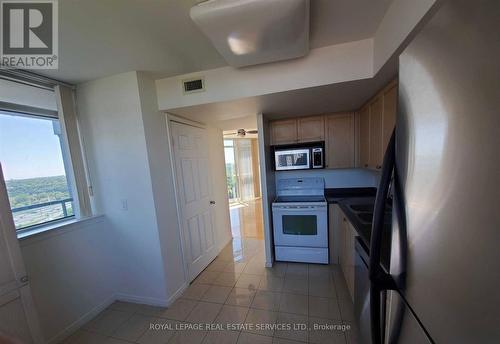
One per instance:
[(337, 178)]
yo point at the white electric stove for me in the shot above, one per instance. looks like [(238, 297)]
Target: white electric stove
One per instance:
[(300, 221)]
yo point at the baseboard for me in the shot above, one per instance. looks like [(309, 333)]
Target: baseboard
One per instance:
[(177, 294), (228, 240), (77, 324), (144, 300)]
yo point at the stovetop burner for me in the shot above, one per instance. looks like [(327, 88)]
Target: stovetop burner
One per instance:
[(296, 199)]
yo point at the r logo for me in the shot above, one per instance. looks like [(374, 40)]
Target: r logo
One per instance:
[(27, 28)]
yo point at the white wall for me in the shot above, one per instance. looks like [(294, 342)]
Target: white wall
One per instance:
[(337, 178), (399, 20), (73, 274), (333, 64), (110, 113), (162, 179), (267, 182)]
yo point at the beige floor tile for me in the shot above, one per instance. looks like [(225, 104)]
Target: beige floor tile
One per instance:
[(221, 337), (295, 327), (235, 267), (190, 336), (159, 334), (84, 337), (294, 303), (216, 294), (151, 310), (207, 277), (226, 279), (324, 307), (278, 269), (324, 335), (296, 285), (248, 281), (179, 310), (133, 328), (322, 287), (268, 300), (232, 315), (124, 306), (251, 338), (107, 322), (271, 283), (277, 340), (195, 291), (204, 312), (258, 319), (297, 269), (217, 265), (240, 297), (319, 270), (115, 341), (255, 268)]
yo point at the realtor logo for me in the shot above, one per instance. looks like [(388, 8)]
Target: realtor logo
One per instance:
[(29, 34)]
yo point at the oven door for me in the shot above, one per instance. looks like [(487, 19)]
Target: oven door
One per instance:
[(292, 159), (300, 225)]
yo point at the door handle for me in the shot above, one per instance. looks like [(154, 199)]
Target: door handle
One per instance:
[(212, 202)]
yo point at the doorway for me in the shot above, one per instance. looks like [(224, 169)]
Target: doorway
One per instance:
[(243, 186), (190, 147)]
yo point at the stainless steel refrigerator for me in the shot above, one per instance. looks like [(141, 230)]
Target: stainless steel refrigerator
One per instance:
[(444, 280)]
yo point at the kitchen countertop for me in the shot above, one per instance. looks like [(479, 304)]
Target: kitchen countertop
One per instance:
[(362, 196)]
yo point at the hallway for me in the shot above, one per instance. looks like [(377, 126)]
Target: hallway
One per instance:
[(246, 219), (237, 300)]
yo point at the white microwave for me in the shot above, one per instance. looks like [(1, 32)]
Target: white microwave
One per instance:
[(299, 157)]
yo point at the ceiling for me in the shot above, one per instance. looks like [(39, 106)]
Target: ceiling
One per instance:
[(241, 113), (98, 38)]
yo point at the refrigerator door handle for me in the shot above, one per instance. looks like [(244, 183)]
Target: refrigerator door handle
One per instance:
[(379, 279)]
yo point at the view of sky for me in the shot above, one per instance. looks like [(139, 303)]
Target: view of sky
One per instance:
[(29, 148)]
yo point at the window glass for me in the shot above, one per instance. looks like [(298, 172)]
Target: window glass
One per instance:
[(34, 172), (300, 224)]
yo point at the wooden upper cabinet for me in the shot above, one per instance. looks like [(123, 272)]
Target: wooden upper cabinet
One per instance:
[(364, 137), (340, 140), (311, 129), (389, 114), (284, 131), (376, 123), (376, 154)]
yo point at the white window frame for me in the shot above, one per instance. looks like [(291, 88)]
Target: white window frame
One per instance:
[(72, 154)]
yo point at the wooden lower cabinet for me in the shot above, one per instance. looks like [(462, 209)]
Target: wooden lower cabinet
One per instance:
[(347, 240), (340, 140)]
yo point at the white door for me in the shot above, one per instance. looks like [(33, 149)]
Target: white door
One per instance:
[(17, 315), (190, 145)]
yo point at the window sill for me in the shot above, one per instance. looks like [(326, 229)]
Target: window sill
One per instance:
[(58, 228)]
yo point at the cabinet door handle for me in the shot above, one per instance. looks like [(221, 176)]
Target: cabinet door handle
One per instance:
[(378, 167), (366, 165)]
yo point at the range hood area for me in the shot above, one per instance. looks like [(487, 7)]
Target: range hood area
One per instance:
[(251, 32)]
